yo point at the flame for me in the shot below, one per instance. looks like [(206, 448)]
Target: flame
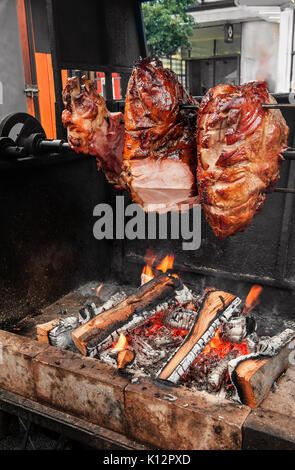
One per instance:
[(166, 263), (147, 272), (252, 298), (121, 343), (220, 347), (150, 257), (98, 289)]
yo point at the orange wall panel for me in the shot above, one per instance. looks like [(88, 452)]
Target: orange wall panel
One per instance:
[(46, 93), (23, 30)]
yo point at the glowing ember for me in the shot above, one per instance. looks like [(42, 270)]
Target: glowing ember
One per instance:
[(121, 343), (221, 348), (252, 299)]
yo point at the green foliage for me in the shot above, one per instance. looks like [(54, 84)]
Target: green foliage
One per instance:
[(168, 26)]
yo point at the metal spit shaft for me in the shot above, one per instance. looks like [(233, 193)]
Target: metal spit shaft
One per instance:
[(194, 107)]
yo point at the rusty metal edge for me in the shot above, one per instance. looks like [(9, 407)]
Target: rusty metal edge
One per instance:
[(268, 430)]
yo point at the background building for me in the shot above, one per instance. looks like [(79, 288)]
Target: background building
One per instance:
[(236, 43)]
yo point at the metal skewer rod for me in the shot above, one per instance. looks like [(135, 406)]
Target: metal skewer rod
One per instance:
[(289, 154), (284, 190), (264, 106), (278, 106)]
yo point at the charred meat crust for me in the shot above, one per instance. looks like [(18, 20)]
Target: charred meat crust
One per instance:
[(239, 146)]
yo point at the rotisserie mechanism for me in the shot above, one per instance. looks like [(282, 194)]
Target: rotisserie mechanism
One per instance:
[(239, 154)]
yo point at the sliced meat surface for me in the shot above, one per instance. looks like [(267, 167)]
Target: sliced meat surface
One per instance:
[(159, 160)]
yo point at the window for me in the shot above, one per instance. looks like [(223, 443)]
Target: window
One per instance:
[(178, 66), (209, 42)]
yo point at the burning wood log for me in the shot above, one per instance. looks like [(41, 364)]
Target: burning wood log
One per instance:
[(125, 357), (217, 306), (158, 290), (254, 374)]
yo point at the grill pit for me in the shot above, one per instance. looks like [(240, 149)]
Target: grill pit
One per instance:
[(92, 389)]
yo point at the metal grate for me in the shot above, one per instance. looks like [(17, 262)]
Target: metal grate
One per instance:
[(178, 66)]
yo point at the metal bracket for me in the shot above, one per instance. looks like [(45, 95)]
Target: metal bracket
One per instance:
[(31, 90)]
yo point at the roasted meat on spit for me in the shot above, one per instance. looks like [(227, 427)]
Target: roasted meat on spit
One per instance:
[(239, 146), (92, 129), (159, 158)]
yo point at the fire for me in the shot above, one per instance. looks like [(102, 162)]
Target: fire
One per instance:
[(252, 299), (166, 263), (121, 343), (220, 347), (147, 272), (98, 289)]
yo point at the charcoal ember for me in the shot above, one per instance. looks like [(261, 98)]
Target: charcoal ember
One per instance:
[(87, 313), (184, 295), (237, 329), (217, 375), (180, 318), (90, 311), (252, 342), (165, 338), (145, 354), (201, 367)]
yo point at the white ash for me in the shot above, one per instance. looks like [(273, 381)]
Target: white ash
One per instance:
[(180, 318), (114, 300), (164, 339), (90, 311), (272, 345), (146, 360), (216, 376), (252, 342), (87, 313), (169, 397), (237, 329), (184, 295), (61, 335)]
